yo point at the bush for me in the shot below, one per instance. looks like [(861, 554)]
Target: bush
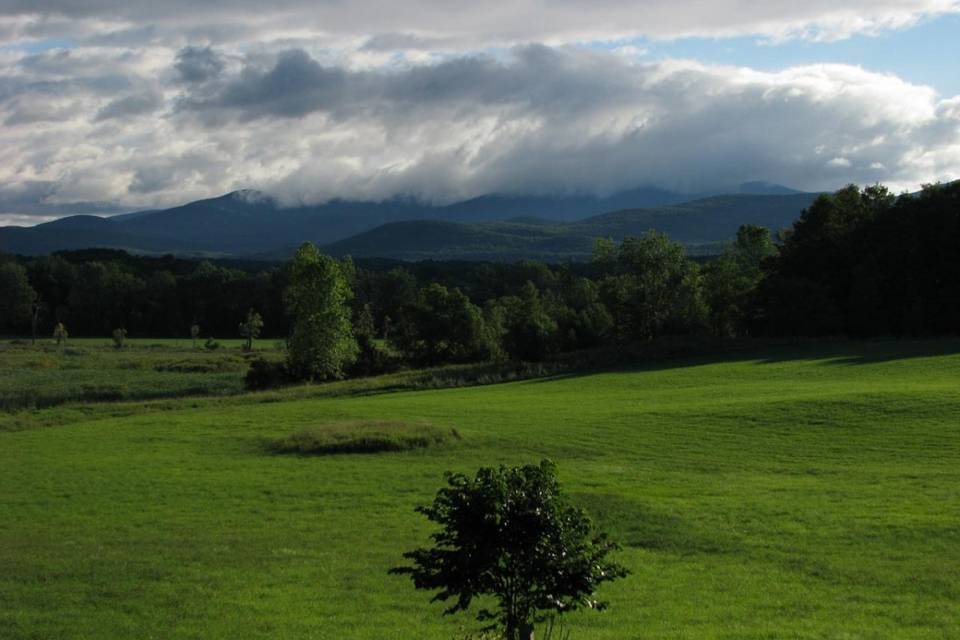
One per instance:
[(363, 437), (264, 374), (211, 344)]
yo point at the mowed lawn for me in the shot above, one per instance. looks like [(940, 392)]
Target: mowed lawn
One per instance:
[(779, 494)]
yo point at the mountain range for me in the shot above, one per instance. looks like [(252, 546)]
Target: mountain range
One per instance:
[(252, 224)]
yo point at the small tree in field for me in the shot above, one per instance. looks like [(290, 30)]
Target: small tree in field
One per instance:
[(119, 338), (36, 309), (250, 329), (508, 533), (60, 335), (194, 333)]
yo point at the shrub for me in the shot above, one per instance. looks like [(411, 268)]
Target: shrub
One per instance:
[(364, 437), (211, 344), (264, 374)]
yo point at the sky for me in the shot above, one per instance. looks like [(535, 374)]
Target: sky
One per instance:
[(120, 105)]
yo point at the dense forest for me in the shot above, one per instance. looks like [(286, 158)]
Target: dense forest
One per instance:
[(859, 262)]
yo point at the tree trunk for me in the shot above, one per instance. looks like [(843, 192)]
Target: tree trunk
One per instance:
[(526, 632)]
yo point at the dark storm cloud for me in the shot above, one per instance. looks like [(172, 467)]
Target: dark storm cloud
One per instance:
[(196, 64), (294, 86), (534, 77)]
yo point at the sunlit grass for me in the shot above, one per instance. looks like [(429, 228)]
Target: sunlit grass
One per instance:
[(784, 493)]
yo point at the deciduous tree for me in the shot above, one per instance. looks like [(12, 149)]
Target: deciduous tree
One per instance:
[(16, 297), (321, 342), (509, 533)]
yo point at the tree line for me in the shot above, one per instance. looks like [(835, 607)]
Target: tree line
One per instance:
[(858, 262)]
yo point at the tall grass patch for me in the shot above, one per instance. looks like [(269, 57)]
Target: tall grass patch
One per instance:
[(364, 437)]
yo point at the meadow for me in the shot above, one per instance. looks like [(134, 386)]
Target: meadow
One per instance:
[(91, 369), (774, 492)]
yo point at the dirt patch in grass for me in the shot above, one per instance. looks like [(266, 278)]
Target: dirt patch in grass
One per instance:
[(363, 437)]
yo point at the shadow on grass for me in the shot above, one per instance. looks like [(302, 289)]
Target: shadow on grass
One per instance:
[(676, 353), (633, 524)]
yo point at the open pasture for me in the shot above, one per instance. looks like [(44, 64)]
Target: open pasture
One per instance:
[(780, 493)]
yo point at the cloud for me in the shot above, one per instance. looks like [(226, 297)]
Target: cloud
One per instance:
[(293, 86), (538, 119), (196, 64), (472, 23), (406, 42), (111, 104), (129, 106), (567, 119), (29, 197)]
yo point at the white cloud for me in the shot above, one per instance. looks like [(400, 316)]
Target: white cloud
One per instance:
[(538, 120)]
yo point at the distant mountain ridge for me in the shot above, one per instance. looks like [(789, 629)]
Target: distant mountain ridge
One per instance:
[(250, 223), (702, 225)]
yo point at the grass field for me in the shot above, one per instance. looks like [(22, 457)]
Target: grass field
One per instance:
[(781, 493), (90, 369)]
